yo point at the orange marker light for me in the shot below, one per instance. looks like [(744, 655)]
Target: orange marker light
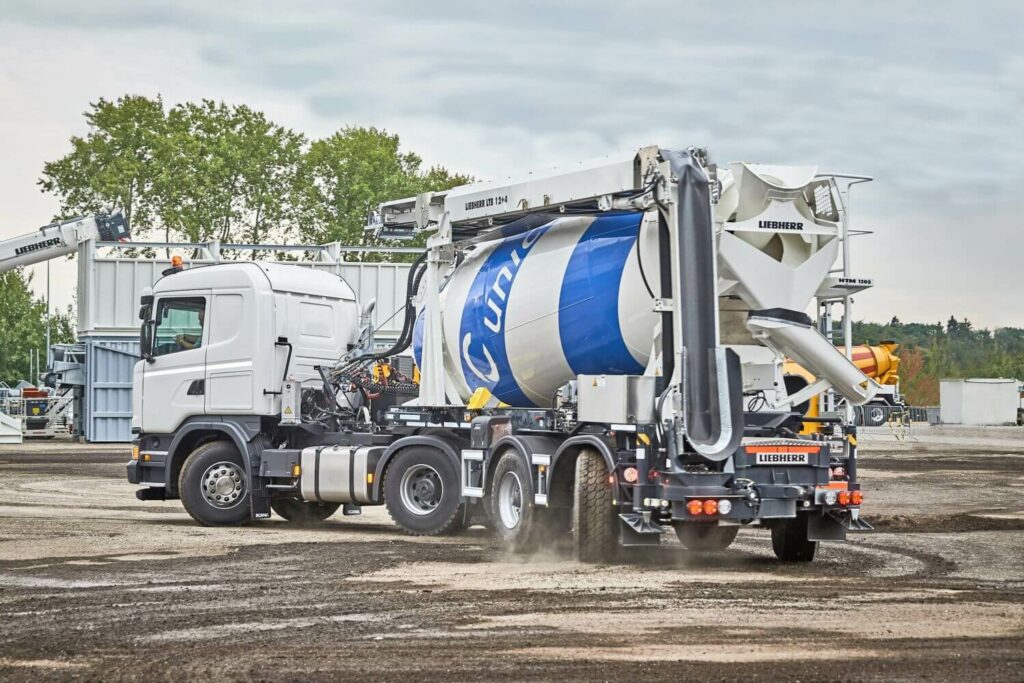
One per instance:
[(695, 507), (710, 507), (844, 498), (856, 497)]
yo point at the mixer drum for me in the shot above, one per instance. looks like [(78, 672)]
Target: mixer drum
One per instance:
[(550, 299)]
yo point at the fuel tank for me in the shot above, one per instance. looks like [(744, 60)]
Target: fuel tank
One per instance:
[(550, 298)]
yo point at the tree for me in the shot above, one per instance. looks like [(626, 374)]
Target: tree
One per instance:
[(354, 170), (23, 327), (113, 166), (227, 172), (212, 170)]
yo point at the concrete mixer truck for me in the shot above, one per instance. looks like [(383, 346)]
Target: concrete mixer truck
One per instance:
[(878, 362), (599, 353)]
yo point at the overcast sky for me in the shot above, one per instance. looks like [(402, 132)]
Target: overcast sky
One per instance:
[(927, 97)]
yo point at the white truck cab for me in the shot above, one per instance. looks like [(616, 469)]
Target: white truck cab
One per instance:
[(218, 341)]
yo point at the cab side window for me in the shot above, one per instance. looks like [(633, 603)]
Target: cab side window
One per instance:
[(179, 325)]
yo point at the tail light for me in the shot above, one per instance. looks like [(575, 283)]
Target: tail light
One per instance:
[(844, 498), (630, 475), (710, 507), (856, 497), (695, 507)]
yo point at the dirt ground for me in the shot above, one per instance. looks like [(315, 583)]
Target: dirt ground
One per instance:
[(96, 585)]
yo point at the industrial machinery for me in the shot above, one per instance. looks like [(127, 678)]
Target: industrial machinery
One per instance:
[(600, 352), (40, 412), (61, 239)]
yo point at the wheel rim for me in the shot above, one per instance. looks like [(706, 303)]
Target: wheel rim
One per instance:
[(877, 415), (510, 500), (223, 485), (422, 489)]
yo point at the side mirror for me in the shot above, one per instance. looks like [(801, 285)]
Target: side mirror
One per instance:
[(146, 340), (145, 306)]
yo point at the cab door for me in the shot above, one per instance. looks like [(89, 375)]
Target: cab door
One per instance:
[(173, 379), (231, 354)]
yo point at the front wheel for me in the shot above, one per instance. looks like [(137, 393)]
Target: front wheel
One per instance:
[(789, 540), (706, 538), (214, 486), (302, 512), (421, 492)]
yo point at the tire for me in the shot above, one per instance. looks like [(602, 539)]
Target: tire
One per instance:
[(789, 540), (302, 512), (706, 538), (595, 525), (214, 486), (513, 516), (874, 415), (421, 492)]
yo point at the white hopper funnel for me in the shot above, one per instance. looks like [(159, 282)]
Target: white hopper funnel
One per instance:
[(778, 242)]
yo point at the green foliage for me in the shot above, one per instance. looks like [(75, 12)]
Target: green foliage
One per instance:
[(953, 350), (226, 172), (114, 164), (209, 169), (350, 173), (23, 327)]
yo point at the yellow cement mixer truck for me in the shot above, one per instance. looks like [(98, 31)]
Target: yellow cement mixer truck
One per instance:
[(878, 362)]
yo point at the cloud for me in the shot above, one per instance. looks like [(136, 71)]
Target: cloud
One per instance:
[(925, 96)]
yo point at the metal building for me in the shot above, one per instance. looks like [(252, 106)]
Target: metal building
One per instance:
[(111, 277)]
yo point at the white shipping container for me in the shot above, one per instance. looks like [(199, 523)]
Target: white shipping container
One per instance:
[(979, 401)]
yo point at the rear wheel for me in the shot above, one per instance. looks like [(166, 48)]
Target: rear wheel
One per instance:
[(789, 540), (516, 521), (421, 492), (706, 537), (303, 512), (595, 525), (213, 485)]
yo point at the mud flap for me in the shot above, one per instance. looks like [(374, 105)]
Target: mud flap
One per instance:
[(825, 528), (638, 529)]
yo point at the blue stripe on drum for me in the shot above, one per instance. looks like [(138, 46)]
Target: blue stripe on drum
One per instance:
[(417, 338), (482, 351), (588, 318)]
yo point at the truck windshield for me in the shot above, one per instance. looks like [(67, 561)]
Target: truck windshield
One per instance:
[(179, 325)]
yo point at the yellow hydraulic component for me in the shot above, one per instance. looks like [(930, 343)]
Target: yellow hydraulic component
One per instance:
[(482, 398), (381, 372)]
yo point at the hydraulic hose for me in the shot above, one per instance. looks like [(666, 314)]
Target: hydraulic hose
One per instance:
[(416, 273)]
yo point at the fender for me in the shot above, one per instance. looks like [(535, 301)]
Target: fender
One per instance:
[(574, 444), (430, 440), (525, 445), (239, 432)]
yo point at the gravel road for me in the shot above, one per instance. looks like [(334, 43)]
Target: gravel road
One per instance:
[(95, 585)]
